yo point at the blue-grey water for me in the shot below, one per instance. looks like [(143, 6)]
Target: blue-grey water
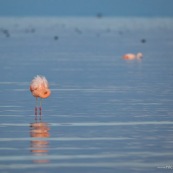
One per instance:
[(105, 114)]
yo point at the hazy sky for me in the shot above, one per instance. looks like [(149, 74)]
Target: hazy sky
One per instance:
[(86, 7)]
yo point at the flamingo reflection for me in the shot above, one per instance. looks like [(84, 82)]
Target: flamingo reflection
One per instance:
[(39, 132)]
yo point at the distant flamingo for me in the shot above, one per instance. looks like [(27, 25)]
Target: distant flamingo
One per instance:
[(131, 56), (39, 87)]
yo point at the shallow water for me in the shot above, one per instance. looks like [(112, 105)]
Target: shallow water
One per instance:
[(105, 114)]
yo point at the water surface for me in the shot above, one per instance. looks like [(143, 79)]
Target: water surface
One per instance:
[(105, 114)]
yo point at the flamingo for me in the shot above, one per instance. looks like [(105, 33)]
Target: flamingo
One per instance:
[(131, 56), (39, 88)]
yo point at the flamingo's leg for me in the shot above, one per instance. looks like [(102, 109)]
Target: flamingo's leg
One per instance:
[(40, 107), (36, 104)]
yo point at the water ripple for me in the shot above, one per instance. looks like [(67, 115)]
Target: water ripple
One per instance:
[(97, 123)]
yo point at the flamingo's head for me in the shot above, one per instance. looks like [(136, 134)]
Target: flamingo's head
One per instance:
[(139, 55)]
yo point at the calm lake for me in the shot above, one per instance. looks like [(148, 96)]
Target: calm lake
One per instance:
[(105, 114)]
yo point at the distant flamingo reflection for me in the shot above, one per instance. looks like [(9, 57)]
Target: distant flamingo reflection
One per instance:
[(39, 88), (39, 132)]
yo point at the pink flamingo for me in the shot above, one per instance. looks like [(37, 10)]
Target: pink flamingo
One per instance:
[(39, 87), (131, 56)]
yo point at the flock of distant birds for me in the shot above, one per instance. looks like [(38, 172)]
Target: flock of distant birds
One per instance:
[(128, 56)]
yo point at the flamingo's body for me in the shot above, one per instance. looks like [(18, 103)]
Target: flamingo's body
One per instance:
[(131, 56), (39, 88)]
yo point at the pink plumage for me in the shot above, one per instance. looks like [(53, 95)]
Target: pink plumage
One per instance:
[(39, 87)]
